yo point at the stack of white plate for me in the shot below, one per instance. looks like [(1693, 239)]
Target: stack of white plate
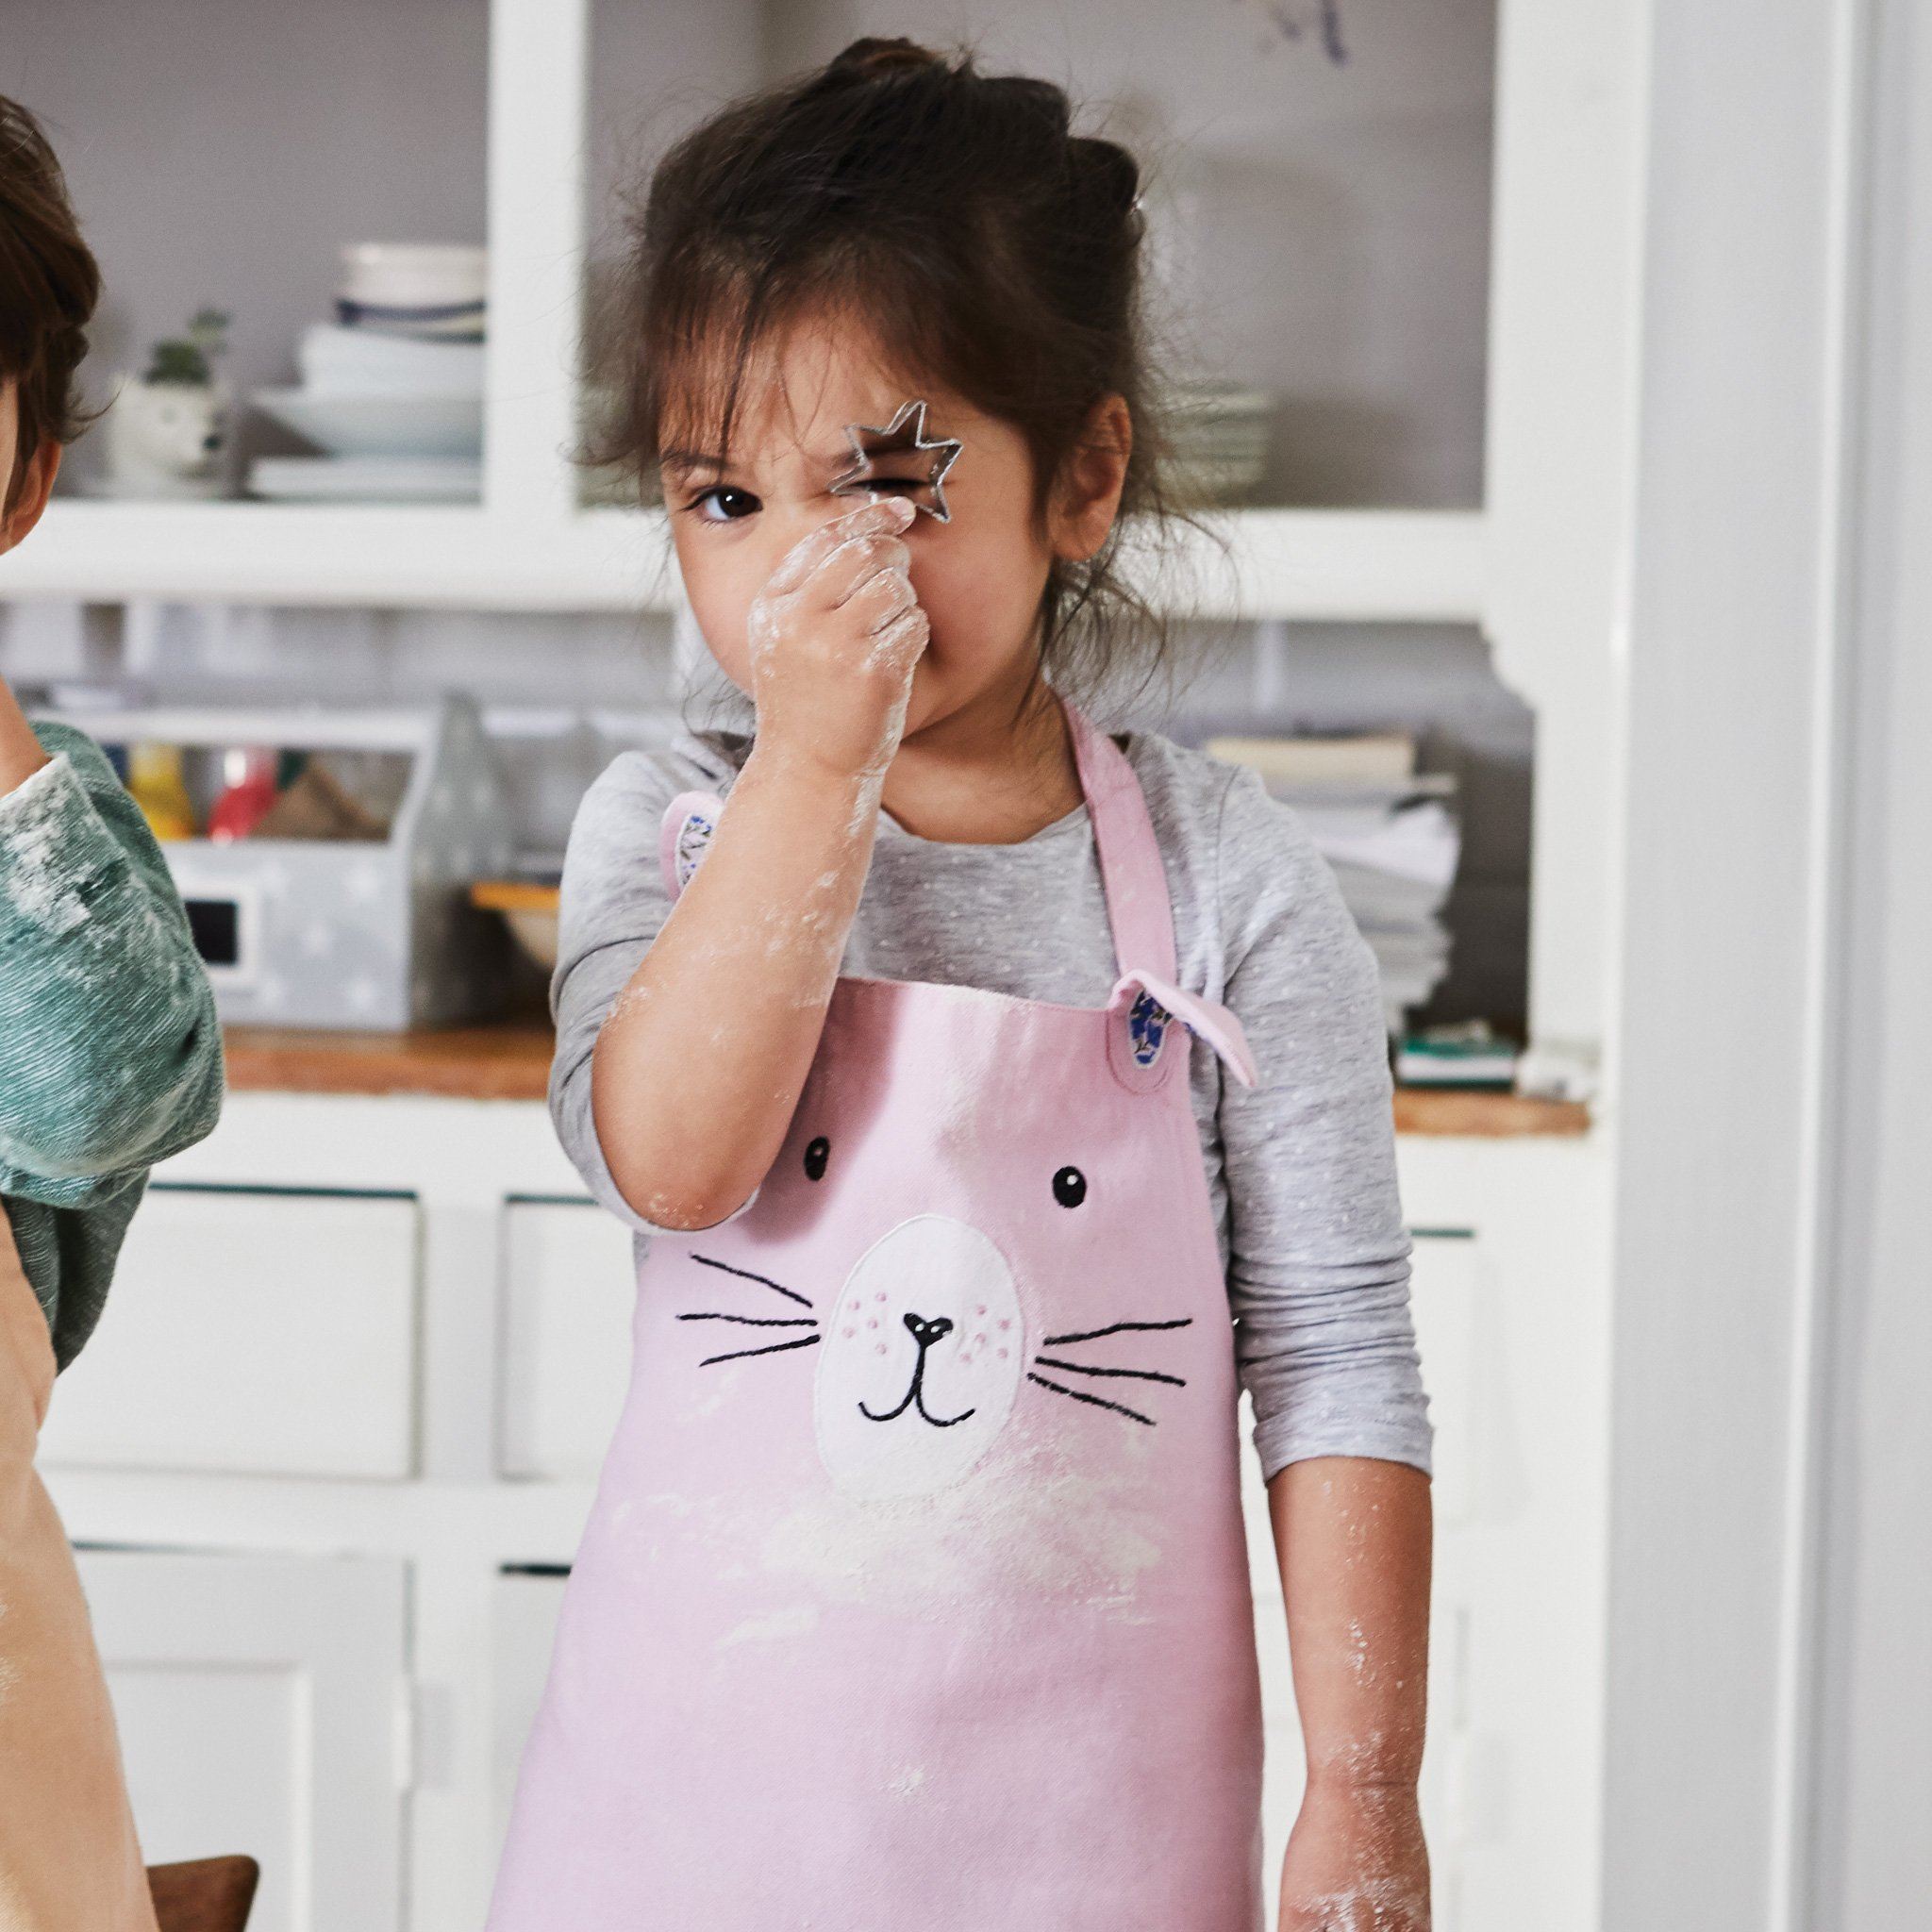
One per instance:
[(392, 392)]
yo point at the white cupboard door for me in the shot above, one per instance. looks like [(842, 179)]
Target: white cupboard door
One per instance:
[(260, 1703), (1443, 1298), (569, 1289), (251, 1333), (523, 1617)]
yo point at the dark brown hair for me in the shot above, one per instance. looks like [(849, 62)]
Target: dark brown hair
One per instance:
[(49, 284), (988, 246)]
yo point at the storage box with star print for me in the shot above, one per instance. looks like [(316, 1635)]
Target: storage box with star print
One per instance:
[(326, 856)]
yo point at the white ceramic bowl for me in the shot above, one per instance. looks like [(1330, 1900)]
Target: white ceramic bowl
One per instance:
[(379, 426), (413, 274)]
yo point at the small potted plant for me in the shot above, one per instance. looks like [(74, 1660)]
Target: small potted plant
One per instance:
[(167, 430)]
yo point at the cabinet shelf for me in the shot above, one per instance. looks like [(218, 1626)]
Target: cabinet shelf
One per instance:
[(1393, 565)]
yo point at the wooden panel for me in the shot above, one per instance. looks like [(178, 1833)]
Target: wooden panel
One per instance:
[(252, 1333), (256, 1699), (507, 1063), (569, 1289), (512, 1062)]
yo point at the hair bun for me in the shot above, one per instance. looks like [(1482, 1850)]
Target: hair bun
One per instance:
[(1109, 171), (874, 57)]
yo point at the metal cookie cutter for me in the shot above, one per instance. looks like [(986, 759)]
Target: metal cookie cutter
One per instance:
[(900, 453)]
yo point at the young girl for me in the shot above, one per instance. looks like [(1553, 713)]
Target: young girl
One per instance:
[(991, 1098)]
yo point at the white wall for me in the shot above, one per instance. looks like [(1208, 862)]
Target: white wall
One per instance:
[(1724, 991), (1770, 1760), (1874, 1719)]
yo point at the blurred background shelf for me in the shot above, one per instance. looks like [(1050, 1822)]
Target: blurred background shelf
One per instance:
[(1393, 565)]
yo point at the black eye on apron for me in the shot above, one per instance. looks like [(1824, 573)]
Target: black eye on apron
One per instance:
[(1070, 1187), (817, 1152)]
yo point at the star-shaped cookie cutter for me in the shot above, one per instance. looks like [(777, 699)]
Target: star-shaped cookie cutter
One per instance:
[(905, 442)]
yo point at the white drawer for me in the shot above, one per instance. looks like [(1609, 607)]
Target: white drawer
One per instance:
[(251, 1333), (569, 1285)]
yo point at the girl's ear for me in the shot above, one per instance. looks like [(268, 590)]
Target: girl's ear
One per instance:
[(1086, 493), (32, 485)]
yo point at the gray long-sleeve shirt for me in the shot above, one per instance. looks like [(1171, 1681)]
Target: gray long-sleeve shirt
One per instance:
[(1301, 1168)]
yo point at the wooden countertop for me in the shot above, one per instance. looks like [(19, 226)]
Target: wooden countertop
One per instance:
[(510, 1060)]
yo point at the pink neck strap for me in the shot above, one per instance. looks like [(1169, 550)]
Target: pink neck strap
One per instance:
[(1131, 872)]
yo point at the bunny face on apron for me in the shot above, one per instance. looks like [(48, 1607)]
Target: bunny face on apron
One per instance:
[(915, 1593)]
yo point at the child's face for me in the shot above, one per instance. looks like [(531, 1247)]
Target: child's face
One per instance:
[(978, 578)]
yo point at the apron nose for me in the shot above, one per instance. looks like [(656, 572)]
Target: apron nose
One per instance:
[(926, 1333)]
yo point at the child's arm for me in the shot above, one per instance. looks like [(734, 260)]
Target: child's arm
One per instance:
[(699, 1065), (1319, 1278), (1353, 1539), (110, 1057)]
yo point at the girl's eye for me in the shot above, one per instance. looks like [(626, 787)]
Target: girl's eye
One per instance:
[(818, 1151), (722, 504)]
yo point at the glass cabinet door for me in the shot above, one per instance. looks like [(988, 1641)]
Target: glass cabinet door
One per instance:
[(1317, 190)]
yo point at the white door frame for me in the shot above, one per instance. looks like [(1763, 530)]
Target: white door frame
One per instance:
[(1728, 1055)]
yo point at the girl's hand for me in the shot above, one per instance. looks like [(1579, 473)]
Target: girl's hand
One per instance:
[(1357, 1862), (834, 637)]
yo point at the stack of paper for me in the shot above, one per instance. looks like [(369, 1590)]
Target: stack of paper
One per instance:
[(1391, 835)]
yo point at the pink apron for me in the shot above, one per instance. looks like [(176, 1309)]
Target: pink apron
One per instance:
[(915, 1594)]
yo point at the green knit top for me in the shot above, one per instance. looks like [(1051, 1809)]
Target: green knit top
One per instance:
[(110, 1054)]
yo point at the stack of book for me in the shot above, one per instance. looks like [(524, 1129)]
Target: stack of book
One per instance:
[(1391, 835)]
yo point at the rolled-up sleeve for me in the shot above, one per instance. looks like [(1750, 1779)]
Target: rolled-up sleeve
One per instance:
[(111, 1054), (614, 902), (1318, 1254)]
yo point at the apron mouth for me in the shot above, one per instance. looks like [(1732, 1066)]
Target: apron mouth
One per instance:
[(926, 1334)]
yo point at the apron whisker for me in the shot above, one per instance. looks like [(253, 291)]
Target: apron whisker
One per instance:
[(789, 1293), (770, 1348), (1136, 1375), (1118, 1329), (1098, 1401), (759, 1321)]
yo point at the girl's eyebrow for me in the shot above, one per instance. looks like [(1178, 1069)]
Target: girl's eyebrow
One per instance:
[(830, 460), (690, 460)]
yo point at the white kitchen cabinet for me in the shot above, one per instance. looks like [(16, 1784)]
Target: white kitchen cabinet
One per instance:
[(569, 1285), (253, 1332), (260, 1699), (522, 1626)]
